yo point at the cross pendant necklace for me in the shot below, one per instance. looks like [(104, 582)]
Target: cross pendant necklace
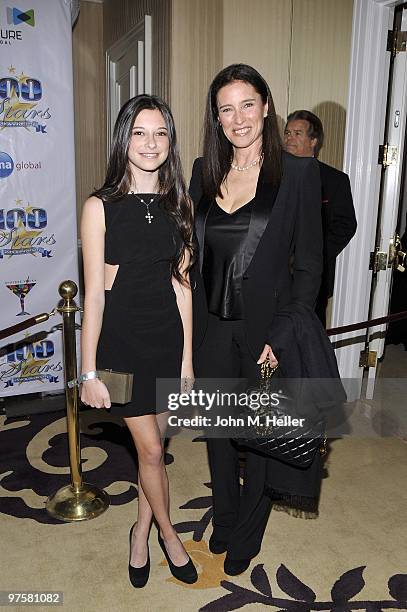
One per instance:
[(148, 216)]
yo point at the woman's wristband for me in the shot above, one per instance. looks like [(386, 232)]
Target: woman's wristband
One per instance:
[(82, 378)]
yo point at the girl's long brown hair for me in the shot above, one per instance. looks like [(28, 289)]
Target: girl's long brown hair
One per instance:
[(171, 182)]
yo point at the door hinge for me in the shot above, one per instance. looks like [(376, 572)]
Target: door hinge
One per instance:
[(388, 155), (393, 250), (368, 359), (397, 257), (401, 261), (396, 41), (378, 261)]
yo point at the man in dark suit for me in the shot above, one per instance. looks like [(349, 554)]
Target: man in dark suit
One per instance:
[(303, 137)]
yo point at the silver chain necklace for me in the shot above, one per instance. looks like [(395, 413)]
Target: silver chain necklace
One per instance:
[(148, 216)]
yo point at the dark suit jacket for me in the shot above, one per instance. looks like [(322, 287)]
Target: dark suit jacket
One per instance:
[(283, 260), (338, 220)]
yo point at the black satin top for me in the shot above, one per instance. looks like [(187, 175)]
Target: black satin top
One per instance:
[(222, 270)]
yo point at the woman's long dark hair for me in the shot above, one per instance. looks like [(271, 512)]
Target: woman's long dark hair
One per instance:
[(218, 151), (171, 182)]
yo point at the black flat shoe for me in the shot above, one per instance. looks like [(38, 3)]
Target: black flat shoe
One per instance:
[(217, 547), (185, 573), (138, 575), (234, 567)]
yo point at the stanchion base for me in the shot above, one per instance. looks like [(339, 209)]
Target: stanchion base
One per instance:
[(87, 503)]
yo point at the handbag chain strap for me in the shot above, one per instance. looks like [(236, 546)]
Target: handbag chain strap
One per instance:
[(266, 370), (266, 374)]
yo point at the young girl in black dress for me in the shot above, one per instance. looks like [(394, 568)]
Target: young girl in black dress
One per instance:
[(137, 251)]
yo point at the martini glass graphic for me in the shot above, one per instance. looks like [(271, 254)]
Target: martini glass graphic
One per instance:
[(20, 289)]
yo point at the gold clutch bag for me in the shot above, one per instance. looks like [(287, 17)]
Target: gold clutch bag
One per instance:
[(119, 385)]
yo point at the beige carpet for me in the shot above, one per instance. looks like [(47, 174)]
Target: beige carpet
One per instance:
[(362, 523)]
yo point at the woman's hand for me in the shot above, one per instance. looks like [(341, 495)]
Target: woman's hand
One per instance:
[(267, 352), (94, 393), (187, 376)]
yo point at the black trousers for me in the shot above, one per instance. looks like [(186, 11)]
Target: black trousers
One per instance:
[(239, 518)]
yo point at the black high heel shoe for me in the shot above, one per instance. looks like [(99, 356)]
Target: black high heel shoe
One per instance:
[(138, 575), (185, 573)]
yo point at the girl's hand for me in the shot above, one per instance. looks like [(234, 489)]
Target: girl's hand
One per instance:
[(267, 352), (94, 393), (187, 377)]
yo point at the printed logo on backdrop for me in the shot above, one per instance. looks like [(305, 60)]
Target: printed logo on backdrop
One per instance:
[(23, 231), (22, 104), (26, 362), (15, 17), (21, 288), (6, 165)]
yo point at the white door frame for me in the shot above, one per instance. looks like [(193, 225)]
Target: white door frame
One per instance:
[(142, 34), (390, 202), (367, 97)]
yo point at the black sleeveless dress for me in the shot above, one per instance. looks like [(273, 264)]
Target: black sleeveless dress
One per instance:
[(142, 329)]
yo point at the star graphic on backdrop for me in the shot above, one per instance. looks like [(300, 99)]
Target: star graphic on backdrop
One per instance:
[(11, 69), (17, 107), (31, 367), (18, 202), (23, 235), (23, 78)]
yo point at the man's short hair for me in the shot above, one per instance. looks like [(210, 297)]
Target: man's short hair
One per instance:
[(315, 129)]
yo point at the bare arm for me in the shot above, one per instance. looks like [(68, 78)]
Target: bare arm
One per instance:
[(184, 302), (93, 392)]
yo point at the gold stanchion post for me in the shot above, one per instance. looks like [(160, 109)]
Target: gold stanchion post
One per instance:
[(78, 501)]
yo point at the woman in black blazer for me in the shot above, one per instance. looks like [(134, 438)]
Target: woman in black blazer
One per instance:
[(258, 224)]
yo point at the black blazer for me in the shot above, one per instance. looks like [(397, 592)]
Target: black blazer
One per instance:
[(338, 219), (283, 260)]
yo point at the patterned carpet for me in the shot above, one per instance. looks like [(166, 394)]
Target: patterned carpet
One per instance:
[(353, 557)]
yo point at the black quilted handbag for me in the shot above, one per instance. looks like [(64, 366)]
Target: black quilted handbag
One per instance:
[(276, 429)]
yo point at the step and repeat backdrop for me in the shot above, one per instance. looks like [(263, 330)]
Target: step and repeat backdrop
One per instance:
[(38, 241)]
